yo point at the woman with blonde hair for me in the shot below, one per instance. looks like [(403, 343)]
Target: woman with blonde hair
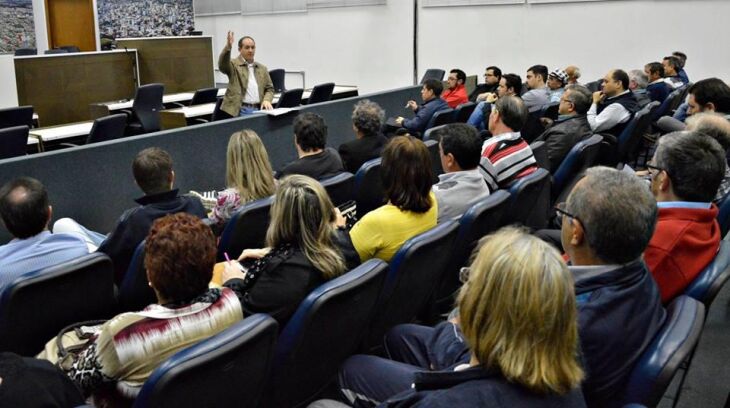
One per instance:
[(518, 315), (304, 250), (248, 175)]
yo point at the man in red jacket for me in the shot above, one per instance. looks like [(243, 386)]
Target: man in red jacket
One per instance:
[(456, 94), (685, 173)]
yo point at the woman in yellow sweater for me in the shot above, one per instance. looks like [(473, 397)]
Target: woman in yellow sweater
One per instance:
[(411, 208)]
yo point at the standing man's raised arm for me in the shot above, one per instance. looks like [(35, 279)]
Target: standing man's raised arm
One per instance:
[(224, 60)]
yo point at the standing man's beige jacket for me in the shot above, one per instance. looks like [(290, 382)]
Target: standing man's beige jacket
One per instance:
[(237, 71)]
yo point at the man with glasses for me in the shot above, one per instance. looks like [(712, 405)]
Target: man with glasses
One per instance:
[(685, 174), (570, 128), (492, 75), (455, 95)]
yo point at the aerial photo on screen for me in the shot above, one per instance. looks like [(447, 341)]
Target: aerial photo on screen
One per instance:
[(145, 18), (16, 25)]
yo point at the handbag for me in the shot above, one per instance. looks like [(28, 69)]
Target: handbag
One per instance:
[(84, 333)]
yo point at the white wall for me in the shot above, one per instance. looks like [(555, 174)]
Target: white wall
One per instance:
[(595, 36), (366, 46), (8, 92)]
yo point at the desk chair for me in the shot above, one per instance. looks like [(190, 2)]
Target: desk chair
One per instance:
[(277, 78), (17, 116), (321, 93), (433, 73), (107, 128), (13, 141), (290, 99), (70, 48), (25, 51), (56, 51), (201, 97), (145, 113)]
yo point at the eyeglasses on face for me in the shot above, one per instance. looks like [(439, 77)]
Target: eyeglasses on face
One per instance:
[(560, 212)]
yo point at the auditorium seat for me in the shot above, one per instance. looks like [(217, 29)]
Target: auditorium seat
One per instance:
[(723, 217), (433, 149), (36, 306), (246, 229), (107, 128), (321, 93), (290, 98), (484, 217), (665, 106), (415, 272), (228, 369), (433, 73), (709, 282), (533, 127), (530, 200), (428, 134), (327, 328), (674, 342), (278, 79), (13, 141), (16, 116), (463, 111), (340, 188), (551, 111), (631, 139), (135, 293), (442, 117), (579, 158), (145, 113), (369, 193), (539, 150)]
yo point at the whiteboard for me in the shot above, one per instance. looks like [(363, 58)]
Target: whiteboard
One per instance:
[(216, 7), (344, 3), (449, 3), (252, 7)]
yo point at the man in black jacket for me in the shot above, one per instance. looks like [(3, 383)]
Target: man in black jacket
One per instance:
[(571, 127)]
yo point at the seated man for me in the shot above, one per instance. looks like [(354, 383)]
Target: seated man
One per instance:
[(573, 73), (638, 82), (537, 95), (685, 174), (671, 72), (367, 123), (707, 95), (556, 84), (315, 160), (506, 156), (614, 106), (492, 75), (713, 124), (461, 184), (570, 128), (25, 212), (619, 309), (432, 103), (658, 89), (153, 174), (682, 58), (509, 84), (455, 95)]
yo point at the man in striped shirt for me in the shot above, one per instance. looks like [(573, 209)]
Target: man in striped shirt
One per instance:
[(506, 156)]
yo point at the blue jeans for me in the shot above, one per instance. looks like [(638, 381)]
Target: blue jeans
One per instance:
[(246, 111), (479, 116)]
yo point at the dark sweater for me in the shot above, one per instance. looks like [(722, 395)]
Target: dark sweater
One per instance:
[(324, 164), (356, 152)]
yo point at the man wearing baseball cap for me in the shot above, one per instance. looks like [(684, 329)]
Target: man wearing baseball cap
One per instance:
[(556, 83)]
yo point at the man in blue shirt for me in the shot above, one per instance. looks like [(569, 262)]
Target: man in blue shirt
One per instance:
[(432, 103), (25, 213)]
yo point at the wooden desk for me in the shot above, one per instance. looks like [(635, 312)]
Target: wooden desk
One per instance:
[(41, 136)]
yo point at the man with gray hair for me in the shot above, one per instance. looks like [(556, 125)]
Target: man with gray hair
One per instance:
[(571, 127), (638, 82), (715, 125), (606, 223), (367, 123), (685, 173)]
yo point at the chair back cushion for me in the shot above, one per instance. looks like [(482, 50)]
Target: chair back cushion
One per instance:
[(203, 96), (579, 158), (539, 150), (246, 229), (290, 98), (13, 141), (709, 282), (433, 73), (369, 193), (135, 293), (340, 188), (107, 128), (321, 93), (16, 116), (277, 78), (530, 200), (463, 111), (147, 106)]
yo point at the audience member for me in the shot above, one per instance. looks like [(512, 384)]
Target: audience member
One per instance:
[(682, 57), (506, 157), (570, 128), (658, 89), (248, 176), (179, 257), (367, 122), (671, 72), (29, 382), (518, 315), (716, 126), (556, 84), (25, 212), (638, 82), (152, 169), (304, 250), (707, 95), (461, 185), (315, 160), (249, 84), (509, 84), (492, 75), (538, 95), (455, 95), (686, 172), (573, 73), (411, 207), (614, 106), (432, 103)]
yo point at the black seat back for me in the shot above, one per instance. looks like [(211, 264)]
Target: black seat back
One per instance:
[(580, 157), (218, 114), (56, 51), (321, 93), (13, 141), (277, 78), (203, 96), (135, 293), (246, 229), (369, 193), (290, 98), (530, 200), (630, 140), (147, 106), (463, 111), (433, 73), (533, 127), (17, 116), (25, 51), (433, 149), (340, 188), (442, 117), (107, 128), (539, 150), (37, 305)]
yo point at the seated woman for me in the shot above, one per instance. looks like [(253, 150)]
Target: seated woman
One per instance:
[(518, 317), (411, 207), (179, 257), (367, 122), (305, 249), (248, 176)]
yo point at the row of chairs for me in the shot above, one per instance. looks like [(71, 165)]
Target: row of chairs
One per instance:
[(58, 50)]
